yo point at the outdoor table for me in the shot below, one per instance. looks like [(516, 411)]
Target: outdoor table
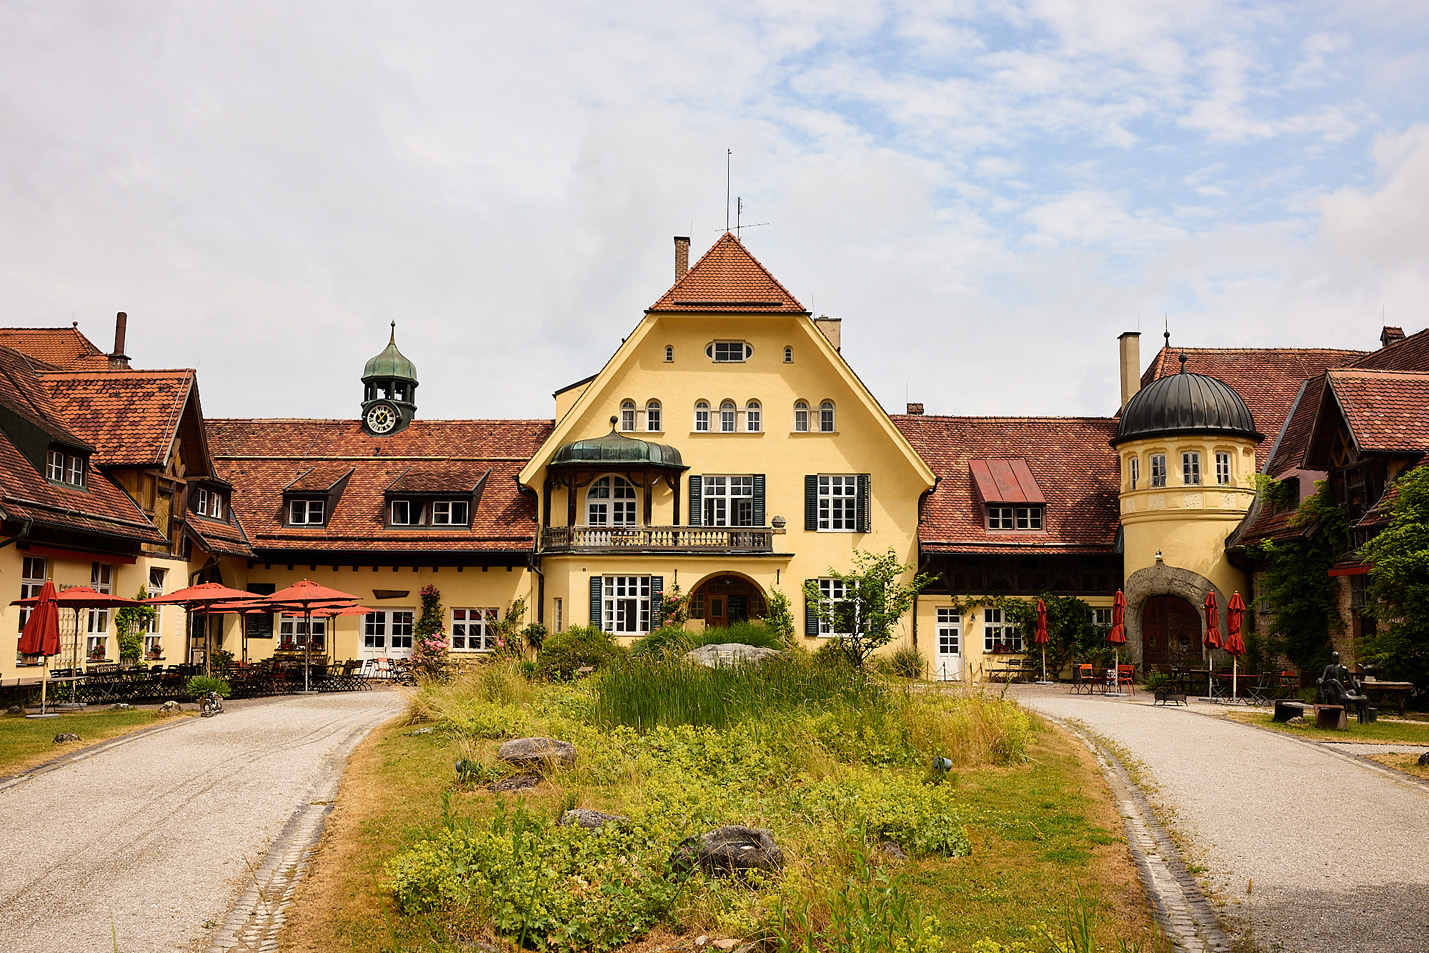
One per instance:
[(1399, 690)]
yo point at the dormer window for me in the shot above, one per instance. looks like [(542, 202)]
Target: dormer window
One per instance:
[(1013, 502), (450, 513), (429, 512), (729, 352), (210, 503), (65, 468), (307, 512), (400, 513), (1014, 518)]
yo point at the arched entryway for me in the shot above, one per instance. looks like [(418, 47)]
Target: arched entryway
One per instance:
[(1170, 632), (726, 598)]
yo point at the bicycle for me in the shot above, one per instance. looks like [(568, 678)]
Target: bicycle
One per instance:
[(210, 704)]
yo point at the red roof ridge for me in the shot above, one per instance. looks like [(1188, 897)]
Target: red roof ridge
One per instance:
[(1374, 372), (728, 278), (354, 421), (1000, 417)]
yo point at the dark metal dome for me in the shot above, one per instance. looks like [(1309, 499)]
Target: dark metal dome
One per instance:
[(616, 449), (1183, 404)]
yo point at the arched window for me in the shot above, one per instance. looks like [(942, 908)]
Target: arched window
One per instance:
[(610, 501), (652, 416), (726, 417), (752, 417), (702, 416), (669, 354), (627, 416), (801, 417), (826, 417), (788, 355)]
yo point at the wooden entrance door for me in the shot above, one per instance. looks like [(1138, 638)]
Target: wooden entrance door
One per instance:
[(725, 600), (1170, 632)]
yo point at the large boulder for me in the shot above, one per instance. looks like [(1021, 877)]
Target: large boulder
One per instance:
[(729, 653), (729, 851), (538, 753), (591, 820)]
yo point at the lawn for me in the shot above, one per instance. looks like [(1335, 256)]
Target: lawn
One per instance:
[(26, 742), (999, 847), (1380, 732)]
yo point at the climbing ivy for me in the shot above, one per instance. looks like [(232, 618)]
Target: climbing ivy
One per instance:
[(1399, 583)]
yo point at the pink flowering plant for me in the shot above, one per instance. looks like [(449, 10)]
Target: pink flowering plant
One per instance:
[(431, 657)]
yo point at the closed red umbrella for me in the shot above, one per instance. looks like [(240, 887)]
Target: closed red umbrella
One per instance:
[(1116, 635), (1041, 637), (42, 635), (1235, 645), (1213, 634)]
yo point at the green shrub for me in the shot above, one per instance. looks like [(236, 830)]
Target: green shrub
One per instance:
[(203, 684), (907, 662), (669, 640), (742, 633), (565, 653)]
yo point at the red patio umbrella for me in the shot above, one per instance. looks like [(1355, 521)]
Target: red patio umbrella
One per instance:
[(80, 598), (1235, 645), (1116, 635), (1213, 634), (203, 596), (308, 595), (42, 635), (1041, 637)]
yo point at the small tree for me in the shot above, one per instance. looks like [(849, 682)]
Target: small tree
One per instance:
[(431, 651), (779, 615), (1071, 633), (872, 603), (1399, 582), (130, 623)]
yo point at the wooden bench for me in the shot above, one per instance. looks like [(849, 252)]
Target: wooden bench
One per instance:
[(1286, 710), (1331, 717)]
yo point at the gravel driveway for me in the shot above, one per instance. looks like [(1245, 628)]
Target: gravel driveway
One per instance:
[(145, 843), (1312, 850)]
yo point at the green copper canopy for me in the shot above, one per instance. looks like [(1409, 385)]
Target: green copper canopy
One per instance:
[(390, 363), (617, 449)]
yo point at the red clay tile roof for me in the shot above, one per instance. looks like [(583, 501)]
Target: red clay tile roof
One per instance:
[(1288, 447), (262, 457), (221, 537), (23, 394), (1409, 354), (1387, 412), (728, 278), (1266, 378), (1068, 456), (63, 348), (451, 479), (131, 417), (319, 479)]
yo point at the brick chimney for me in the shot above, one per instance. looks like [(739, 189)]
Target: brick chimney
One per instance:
[(118, 358), (915, 410), (1130, 365), (832, 328), (1390, 335), (682, 256)]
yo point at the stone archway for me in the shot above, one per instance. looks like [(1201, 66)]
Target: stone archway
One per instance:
[(1163, 580), (725, 598)]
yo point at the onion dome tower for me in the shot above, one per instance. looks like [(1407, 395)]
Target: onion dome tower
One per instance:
[(389, 390), (1186, 444)]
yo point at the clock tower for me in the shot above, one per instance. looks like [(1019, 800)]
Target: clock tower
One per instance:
[(389, 391)]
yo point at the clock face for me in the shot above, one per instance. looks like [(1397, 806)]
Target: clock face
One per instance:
[(381, 418)]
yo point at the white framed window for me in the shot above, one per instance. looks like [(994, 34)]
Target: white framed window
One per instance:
[(1158, 469), (202, 502), (294, 632), (216, 506), (403, 513), (840, 620), (727, 417), (101, 579), (471, 630), (558, 617), (727, 500), (729, 352), (826, 417), (1013, 518), (154, 628), (65, 468), (838, 503), (950, 631), (625, 604), (753, 417), (627, 416), (1191, 468), (1223, 469), (384, 634), (32, 578), (788, 355), (610, 501), (998, 634), (450, 513), (1101, 618), (1134, 471), (652, 416), (306, 512), (702, 416), (801, 417)]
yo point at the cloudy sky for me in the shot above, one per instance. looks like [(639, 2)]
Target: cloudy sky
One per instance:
[(986, 191)]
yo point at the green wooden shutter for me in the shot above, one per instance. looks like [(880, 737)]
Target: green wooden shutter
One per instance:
[(597, 614), (758, 499), (811, 502), (657, 600), (697, 509), (864, 504), (811, 616)]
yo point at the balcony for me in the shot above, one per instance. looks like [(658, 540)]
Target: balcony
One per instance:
[(659, 539)]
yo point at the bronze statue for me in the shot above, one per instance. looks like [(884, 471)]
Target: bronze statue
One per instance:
[(1337, 687)]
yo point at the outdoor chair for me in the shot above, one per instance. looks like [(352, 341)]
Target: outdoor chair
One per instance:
[(1125, 678)]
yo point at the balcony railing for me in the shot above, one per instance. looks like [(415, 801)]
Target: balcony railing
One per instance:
[(664, 539)]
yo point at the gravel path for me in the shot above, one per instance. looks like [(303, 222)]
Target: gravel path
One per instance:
[(145, 843), (1305, 848)]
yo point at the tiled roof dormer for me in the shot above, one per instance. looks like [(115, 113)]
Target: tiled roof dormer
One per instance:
[(728, 278)]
